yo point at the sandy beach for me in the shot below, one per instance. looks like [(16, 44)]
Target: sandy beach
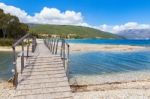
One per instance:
[(128, 90), (121, 86), (6, 90), (101, 47), (9, 48), (130, 93)]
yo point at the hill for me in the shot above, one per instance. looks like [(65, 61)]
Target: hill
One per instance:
[(135, 33), (75, 31)]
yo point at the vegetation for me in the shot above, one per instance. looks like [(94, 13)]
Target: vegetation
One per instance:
[(10, 26), (10, 29), (6, 42), (72, 31)]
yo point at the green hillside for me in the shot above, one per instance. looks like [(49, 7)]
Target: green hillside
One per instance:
[(75, 31)]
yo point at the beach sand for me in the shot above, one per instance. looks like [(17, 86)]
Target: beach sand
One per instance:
[(115, 94), (128, 90), (100, 47), (6, 90), (120, 86), (9, 48)]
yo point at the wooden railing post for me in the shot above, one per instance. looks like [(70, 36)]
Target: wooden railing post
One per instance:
[(61, 49), (56, 46), (28, 44), (15, 73), (50, 44), (68, 57), (55, 40), (32, 44), (22, 57), (64, 56), (68, 51)]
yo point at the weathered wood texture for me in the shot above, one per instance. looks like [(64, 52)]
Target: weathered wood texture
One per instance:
[(43, 77)]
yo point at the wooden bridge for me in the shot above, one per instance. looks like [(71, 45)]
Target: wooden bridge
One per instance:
[(41, 70)]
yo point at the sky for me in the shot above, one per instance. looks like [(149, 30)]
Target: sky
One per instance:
[(107, 15)]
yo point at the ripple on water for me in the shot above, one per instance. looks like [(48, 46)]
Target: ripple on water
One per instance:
[(102, 64)]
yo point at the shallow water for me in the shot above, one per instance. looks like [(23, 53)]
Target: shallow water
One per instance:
[(94, 65), (5, 65), (91, 63)]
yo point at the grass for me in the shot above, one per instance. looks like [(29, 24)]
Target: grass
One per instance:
[(76, 31), (6, 42)]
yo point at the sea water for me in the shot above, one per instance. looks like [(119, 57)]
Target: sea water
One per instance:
[(111, 41), (6, 60), (101, 64)]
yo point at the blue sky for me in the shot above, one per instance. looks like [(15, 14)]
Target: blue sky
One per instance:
[(94, 12)]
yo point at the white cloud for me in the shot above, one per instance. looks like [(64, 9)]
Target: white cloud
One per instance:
[(129, 25), (54, 16), (14, 11), (46, 16)]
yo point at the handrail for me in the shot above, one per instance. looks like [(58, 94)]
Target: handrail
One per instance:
[(54, 44), (18, 42)]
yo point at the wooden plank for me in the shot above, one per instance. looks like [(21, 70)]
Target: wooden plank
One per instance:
[(43, 77)]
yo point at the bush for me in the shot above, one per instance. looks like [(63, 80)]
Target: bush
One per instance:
[(6, 42)]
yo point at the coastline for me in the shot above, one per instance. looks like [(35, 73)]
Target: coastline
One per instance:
[(9, 48), (125, 86), (83, 80), (131, 93), (102, 47)]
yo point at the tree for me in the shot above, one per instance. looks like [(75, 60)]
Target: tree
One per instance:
[(11, 26)]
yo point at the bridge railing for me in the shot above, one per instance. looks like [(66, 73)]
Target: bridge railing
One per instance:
[(24, 51), (59, 46)]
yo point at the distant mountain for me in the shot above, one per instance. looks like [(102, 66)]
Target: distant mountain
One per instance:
[(135, 34), (75, 31)]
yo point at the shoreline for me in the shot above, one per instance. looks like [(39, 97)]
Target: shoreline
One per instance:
[(132, 88), (116, 86), (9, 48), (105, 47), (145, 84), (109, 78)]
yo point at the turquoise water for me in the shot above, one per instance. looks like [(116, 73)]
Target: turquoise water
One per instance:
[(111, 41), (89, 63), (98, 63), (5, 65)]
